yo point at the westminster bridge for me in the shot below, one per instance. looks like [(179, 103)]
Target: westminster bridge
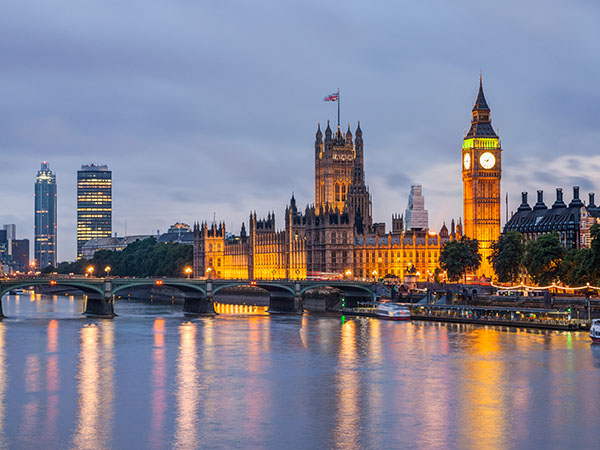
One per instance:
[(285, 296)]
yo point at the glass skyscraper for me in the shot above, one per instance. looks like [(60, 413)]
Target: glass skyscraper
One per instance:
[(45, 217), (94, 204)]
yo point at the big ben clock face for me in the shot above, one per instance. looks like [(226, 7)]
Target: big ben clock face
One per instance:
[(467, 161), (487, 160)]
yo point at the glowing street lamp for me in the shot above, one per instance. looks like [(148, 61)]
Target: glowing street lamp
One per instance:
[(107, 270), (208, 271), (374, 273), (188, 270), (90, 271), (348, 273)]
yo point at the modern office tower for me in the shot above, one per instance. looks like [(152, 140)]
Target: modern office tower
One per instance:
[(45, 217), (94, 204), (11, 235)]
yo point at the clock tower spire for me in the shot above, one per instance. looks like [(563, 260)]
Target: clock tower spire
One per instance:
[(481, 174)]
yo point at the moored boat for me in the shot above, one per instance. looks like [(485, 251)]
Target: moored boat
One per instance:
[(392, 311), (595, 331)]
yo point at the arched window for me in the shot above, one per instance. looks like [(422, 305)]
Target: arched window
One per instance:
[(343, 192), (337, 192)]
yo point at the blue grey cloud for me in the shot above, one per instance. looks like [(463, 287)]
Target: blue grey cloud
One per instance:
[(211, 106)]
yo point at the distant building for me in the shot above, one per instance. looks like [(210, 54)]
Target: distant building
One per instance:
[(4, 256), (94, 204), (11, 235), (45, 218), (20, 253), (572, 222), (416, 216), (179, 233), (110, 243)]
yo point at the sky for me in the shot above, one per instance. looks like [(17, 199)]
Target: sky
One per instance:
[(205, 108)]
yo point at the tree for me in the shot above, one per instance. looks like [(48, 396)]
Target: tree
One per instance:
[(506, 257), (459, 257), (543, 258), (142, 258), (575, 267)]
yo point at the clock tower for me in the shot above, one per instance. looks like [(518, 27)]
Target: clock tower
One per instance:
[(481, 174)]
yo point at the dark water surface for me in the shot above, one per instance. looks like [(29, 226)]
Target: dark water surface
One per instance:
[(151, 378)]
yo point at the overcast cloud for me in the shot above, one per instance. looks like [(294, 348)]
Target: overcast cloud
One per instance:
[(211, 106)]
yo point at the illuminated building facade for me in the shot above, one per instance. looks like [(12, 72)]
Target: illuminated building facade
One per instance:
[(481, 174), (94, 204), (335, 237), (45, 217)]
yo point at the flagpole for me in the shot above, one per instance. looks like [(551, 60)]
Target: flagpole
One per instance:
[(338, 107)]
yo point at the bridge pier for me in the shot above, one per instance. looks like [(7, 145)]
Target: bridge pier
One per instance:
[(279, 304), (101, 305), (198, 306)]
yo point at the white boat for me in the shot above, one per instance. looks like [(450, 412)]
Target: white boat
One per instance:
[(595, 331), (392, 311)]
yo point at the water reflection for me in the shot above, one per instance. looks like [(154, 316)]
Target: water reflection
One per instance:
[(52, 380), (95, 386), (159, 381), (186, 431), (227, 308), (3, 382), (347, 422), (483, 406)]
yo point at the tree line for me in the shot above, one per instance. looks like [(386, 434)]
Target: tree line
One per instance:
[(545, 259), (142, 258)]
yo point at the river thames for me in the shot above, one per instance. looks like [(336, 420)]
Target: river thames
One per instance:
[(152, 378)]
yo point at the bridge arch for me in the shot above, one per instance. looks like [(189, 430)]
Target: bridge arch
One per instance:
[(345, 287), (184, 286), (95, 287), (270, 287)]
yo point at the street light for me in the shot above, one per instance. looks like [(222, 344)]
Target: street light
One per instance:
[(208, 271), (90, 271), (107, 270), (374, 273), (348, 273), (188, 270)]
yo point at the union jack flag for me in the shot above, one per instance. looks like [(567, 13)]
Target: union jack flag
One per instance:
[(332, 97)]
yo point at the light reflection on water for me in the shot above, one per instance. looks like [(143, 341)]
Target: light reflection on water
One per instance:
[(151, 378), (3, 383), (95, 386), (186, 431)]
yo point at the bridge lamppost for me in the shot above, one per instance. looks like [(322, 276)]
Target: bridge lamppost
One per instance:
[(188, 270), (348, 273), (208, 271), (90, 271), (107, 270), (374, 273)]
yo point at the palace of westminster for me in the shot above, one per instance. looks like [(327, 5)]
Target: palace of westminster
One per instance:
[(336, 236)]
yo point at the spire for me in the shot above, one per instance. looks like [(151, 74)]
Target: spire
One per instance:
[(481, 103), (358, 130), (319, 135), (481, 123), (328, 132)]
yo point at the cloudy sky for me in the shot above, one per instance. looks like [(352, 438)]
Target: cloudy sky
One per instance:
[(211, 106)]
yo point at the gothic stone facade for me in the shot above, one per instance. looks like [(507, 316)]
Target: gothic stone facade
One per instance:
[(334, 237)]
